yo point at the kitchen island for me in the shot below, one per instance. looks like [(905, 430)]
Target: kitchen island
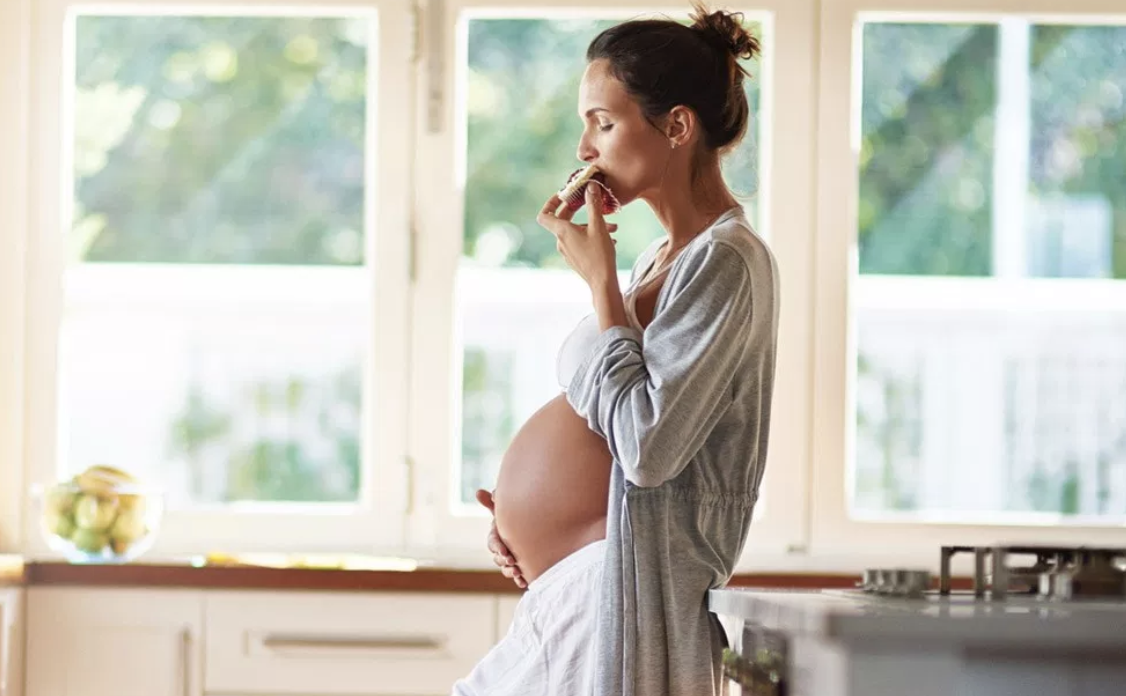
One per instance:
[(852, 643)]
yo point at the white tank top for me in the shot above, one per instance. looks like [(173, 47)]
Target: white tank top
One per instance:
[(577, 346)]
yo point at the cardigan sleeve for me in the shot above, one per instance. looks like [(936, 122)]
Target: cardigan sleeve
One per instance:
[(655, 398)]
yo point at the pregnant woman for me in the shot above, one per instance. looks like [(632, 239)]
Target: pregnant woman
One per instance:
[(629, 495)]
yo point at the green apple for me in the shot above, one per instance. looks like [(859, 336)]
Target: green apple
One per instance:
[(89, 540), (95, 512), (129, 526), (59, 525), (59, 501)]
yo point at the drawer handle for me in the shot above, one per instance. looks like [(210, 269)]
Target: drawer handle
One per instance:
[(186, 662), (284, 641)]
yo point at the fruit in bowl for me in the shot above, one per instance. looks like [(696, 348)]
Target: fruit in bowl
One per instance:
[(102, 515)]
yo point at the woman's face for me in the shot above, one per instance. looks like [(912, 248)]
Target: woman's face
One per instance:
[(631, 152)]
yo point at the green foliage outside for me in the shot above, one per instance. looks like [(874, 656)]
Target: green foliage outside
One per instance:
[(487, 422), (927, 137), (293, 465), (219, 140)]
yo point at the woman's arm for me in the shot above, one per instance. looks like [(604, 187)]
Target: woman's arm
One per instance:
[(656, 405), (609, 304)]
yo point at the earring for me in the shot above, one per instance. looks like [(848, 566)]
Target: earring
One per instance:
[(672, 144)]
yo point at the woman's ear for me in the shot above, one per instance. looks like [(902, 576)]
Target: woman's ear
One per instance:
[(680, 126)]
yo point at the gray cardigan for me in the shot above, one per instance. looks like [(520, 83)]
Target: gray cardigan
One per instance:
[(685, 410)]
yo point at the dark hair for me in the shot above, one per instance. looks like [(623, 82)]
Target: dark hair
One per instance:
[(663, 64)]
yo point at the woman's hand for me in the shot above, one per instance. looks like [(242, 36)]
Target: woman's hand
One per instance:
[(501, 555), (588, 249)]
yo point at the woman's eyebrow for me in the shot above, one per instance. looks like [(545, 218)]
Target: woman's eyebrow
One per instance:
[(591, 112)]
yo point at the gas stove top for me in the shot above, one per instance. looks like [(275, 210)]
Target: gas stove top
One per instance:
[(1062, 573)]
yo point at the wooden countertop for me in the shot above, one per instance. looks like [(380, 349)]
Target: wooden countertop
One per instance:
[(151, 574)]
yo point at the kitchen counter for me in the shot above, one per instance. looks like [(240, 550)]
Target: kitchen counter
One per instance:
[(354, 573), (958, 618), (852, 616), (171, 575)]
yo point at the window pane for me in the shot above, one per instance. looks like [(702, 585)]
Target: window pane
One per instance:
[(255, 403), (517, 298), (994, 151), (1077, 185), (217, 308), (219, 139), (927, 149)]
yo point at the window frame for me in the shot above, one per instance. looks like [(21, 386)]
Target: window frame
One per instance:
[(376, 523), (781, 521), (840, 541), (15, 53)]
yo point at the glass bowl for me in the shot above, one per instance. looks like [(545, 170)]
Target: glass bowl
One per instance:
[(99, 517)]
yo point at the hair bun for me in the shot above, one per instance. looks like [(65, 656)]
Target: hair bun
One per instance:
[(726, 30)]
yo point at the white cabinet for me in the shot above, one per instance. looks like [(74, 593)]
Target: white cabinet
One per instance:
[(11, 641), (361, 644), (113, 642), (85, 641)]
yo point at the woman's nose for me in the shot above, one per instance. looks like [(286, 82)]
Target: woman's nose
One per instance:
[(586, 153)]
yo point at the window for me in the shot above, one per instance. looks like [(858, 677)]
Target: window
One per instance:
[(494, 300), (228, 300), (990, 178), (982, 328), (214, 291)]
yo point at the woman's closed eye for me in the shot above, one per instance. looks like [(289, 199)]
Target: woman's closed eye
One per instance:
[(605, 127)]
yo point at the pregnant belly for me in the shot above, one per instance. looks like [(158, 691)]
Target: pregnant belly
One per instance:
[(552, 488)]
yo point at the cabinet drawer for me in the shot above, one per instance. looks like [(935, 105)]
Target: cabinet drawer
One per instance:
[(343, 643)]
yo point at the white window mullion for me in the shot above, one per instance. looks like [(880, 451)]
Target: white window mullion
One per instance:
[(436, 349), (833, 331), (1012, 125), (780, 532), (387, 210)]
